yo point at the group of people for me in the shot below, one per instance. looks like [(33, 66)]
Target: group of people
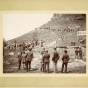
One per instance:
[(78, 53), (26, 57), (45, 60), (22, 46)]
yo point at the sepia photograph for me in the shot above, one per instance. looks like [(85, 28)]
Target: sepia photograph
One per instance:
[(44, 43)]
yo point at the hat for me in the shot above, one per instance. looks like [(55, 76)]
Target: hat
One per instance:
[(65, 51), (30, 49)]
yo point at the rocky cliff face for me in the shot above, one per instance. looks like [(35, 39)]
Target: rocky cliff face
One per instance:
[(65, 26), (63, 21)]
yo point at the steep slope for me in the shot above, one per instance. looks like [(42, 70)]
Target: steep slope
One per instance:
[(65, 26), (60, 27)]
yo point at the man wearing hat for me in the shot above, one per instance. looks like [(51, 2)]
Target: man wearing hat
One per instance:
[(65, 59), (76, 53), (46, 57), (80, 53), (42, 63), (55, 59), (29, 59), (19, 59)]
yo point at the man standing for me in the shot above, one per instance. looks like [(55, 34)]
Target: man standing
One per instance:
[(65, 60), (29, 59), (19, 59), (24, 60), (46, 57), (76, 53), (43, 51), (55, 58), (42, 63), (80, 53)]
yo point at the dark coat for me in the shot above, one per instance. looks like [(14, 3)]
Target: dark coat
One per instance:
[(19, 57), (29, 56), (76, 52), (55, 56), (46, 57), (65, 58)]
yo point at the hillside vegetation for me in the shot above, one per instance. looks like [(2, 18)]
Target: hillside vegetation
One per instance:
[(61, 28)]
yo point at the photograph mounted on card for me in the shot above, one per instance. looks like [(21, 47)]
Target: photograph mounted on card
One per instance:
[(43, 43)]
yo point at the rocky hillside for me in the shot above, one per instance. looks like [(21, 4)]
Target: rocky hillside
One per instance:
[(61, 28)]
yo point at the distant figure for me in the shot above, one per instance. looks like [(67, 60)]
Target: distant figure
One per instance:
[(15, 47), (65, 60), (76, 53), (80, 53), (55, 58), (23, 46), (32, 44), (29, 59), (19, 60), (42, 44), (42, 63), (24, 60), (46, 57), (43, 51)]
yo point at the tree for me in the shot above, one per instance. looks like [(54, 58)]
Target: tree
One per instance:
[(4, 43)]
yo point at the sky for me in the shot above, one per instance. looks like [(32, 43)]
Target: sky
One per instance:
[(15, 25)]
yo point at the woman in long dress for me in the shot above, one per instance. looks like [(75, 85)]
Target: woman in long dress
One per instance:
[(24, 60)]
